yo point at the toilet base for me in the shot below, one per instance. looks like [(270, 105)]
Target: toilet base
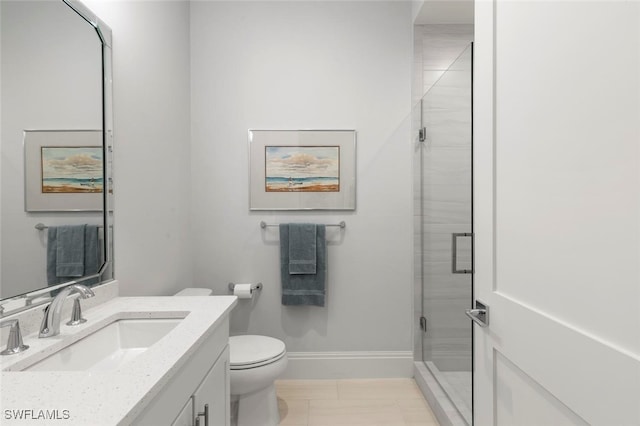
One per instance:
[(259, 408)]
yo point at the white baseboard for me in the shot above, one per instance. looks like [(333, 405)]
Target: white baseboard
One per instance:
[(349, 365)]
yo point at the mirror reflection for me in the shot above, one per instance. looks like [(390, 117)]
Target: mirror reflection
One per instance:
[(54, 161)]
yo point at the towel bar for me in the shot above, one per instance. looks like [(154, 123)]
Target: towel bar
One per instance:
[(342, 224), (42, 226)]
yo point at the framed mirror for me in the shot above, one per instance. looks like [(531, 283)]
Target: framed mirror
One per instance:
[(56, 150)]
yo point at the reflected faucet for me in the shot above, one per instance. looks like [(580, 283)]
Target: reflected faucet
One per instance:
[(51, 322)]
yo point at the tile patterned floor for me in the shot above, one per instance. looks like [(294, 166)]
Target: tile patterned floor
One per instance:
[(370, 402)]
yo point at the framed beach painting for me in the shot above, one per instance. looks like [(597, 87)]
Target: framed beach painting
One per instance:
[(302, 169), (64, 170)]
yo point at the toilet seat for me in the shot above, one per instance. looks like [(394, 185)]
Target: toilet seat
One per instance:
[(250, 351)]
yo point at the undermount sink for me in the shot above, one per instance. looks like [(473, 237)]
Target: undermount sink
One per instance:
[(109, 347)]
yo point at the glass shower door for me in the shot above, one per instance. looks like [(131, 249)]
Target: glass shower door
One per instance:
[(445, 207)]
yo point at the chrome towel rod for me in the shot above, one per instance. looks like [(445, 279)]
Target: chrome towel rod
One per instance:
[(42, 226), (342, 224)]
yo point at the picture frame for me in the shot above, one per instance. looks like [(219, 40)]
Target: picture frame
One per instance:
[(63, 170), (302, 169)]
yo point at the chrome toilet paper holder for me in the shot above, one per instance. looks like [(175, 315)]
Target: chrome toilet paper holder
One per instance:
[(254, 287)]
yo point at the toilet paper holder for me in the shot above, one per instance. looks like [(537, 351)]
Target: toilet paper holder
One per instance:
[(254, 287)]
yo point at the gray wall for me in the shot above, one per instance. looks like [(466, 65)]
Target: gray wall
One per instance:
[(152, 131), (181, 164), (289, 65)]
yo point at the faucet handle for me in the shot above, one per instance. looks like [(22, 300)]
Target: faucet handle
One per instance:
[(14, 343), (76, 313), (44, 326)]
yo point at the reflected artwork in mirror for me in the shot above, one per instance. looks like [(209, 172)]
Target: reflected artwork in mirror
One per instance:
[(56, 145)]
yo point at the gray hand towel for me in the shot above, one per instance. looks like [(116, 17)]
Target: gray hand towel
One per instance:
[(52, 249), (302, 248), (91, 261), (303, 289), (91, 253), (70, 251)]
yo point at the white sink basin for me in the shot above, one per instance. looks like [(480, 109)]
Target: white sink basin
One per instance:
[(109, 347)]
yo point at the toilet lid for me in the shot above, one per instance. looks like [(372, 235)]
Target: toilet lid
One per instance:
[(252, 351)]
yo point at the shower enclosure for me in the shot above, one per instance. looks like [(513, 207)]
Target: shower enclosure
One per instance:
[(443, 240)]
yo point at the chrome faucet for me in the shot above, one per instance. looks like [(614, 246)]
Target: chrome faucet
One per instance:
[(51, 322), (14, 344)]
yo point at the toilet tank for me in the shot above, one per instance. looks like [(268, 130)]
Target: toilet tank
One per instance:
[(194, 292)]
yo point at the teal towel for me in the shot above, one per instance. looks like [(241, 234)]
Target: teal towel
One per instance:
[(91, 258), (302, 248), (70, 251), (52, 250), (303, 289)]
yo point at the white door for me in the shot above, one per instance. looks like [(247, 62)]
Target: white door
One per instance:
[(557, 212)]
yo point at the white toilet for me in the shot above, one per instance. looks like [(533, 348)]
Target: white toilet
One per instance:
[(255, 363)]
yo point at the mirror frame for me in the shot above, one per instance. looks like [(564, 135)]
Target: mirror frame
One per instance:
[(42, 296)]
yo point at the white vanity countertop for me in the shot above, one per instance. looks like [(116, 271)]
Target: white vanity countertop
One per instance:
[(112, 397)]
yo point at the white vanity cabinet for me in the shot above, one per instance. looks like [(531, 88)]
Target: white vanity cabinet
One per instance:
[(185, 418), (211, 401), (202, 380), (209, 405)]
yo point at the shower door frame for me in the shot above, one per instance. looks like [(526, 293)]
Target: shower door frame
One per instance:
[(446, 387)]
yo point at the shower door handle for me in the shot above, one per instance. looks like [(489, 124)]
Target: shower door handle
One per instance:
[(454, 252)]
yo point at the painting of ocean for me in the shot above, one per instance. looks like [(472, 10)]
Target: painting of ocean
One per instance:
[(302, 169), (71, 169)]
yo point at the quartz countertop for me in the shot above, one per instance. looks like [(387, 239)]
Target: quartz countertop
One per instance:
[(114, 397)]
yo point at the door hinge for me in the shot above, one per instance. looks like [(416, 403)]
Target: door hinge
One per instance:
[(422, 134), (423, 324)]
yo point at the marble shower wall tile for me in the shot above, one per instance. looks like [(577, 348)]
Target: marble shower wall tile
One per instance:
[(446, 297), (429, 78), (437, 244), (417, 83), (442, 44), (447, 204), (450, 166)]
